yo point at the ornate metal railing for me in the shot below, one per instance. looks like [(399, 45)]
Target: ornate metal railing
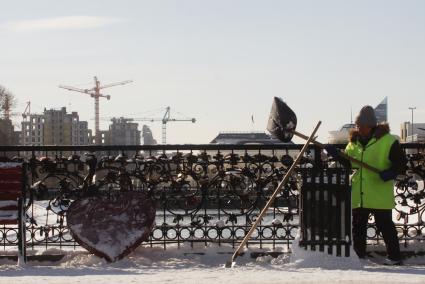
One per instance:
[(203, 193)]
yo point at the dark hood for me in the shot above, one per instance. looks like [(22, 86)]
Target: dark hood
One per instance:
[(379, 131)]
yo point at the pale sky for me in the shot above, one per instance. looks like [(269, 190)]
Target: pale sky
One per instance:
[(219, 61)]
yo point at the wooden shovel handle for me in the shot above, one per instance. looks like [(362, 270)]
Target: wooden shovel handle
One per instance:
[(340, 153), (274, 195)]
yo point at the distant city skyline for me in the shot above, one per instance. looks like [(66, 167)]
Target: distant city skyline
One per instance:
[(221, 62)]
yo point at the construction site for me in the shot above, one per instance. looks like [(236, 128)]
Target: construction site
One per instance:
[(60, 127)]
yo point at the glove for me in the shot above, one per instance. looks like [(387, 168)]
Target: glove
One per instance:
[(388, 174), (332, 151)]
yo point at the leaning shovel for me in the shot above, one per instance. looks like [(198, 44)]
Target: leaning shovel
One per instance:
[(282, 124), (272, 198)]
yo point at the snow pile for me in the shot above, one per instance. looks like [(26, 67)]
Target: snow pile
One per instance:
[(198, 263), (302, 258)]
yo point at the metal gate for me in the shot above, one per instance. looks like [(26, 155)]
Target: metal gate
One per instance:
[(326, 211)]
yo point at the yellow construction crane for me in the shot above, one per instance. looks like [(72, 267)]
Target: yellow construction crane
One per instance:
[(95, 93)]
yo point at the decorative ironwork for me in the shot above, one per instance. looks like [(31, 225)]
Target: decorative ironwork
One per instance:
[(203, 193)]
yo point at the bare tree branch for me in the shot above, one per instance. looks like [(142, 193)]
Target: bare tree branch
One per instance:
[(7, 102)]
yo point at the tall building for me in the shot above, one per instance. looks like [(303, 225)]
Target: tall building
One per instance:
[(123, 131), (381, 111), (55, 127), (412, 134), (147, 136), (81, 134), (33, 130)]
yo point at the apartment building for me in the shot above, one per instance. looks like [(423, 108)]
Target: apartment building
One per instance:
[(123, 131), (55, 127), (32, 132)]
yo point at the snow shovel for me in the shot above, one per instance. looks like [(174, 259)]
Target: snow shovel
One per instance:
[(282, 124), (272, 198)]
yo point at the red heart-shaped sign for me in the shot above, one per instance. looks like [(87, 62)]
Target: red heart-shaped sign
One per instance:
[(111, 227)]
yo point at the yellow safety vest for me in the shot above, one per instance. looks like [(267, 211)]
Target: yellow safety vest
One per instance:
[(368, 190)]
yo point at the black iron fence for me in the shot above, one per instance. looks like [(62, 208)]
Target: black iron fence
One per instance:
[(203, 193)]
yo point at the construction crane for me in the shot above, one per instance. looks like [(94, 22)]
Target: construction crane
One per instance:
[(8, 114), (165, 119), (95, 93), (27, 111)]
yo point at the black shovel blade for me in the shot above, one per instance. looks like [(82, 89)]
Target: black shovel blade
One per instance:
[(282, 121)]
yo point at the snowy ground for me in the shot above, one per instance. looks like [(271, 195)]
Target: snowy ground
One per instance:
[(206, 265)]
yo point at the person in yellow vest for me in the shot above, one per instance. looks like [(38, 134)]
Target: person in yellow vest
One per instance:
[(373, 193)]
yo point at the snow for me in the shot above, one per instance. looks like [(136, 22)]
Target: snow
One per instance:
[(112, 247), (220, 223), (10, 165), (8, 215), (8, 203), (197, 263)]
